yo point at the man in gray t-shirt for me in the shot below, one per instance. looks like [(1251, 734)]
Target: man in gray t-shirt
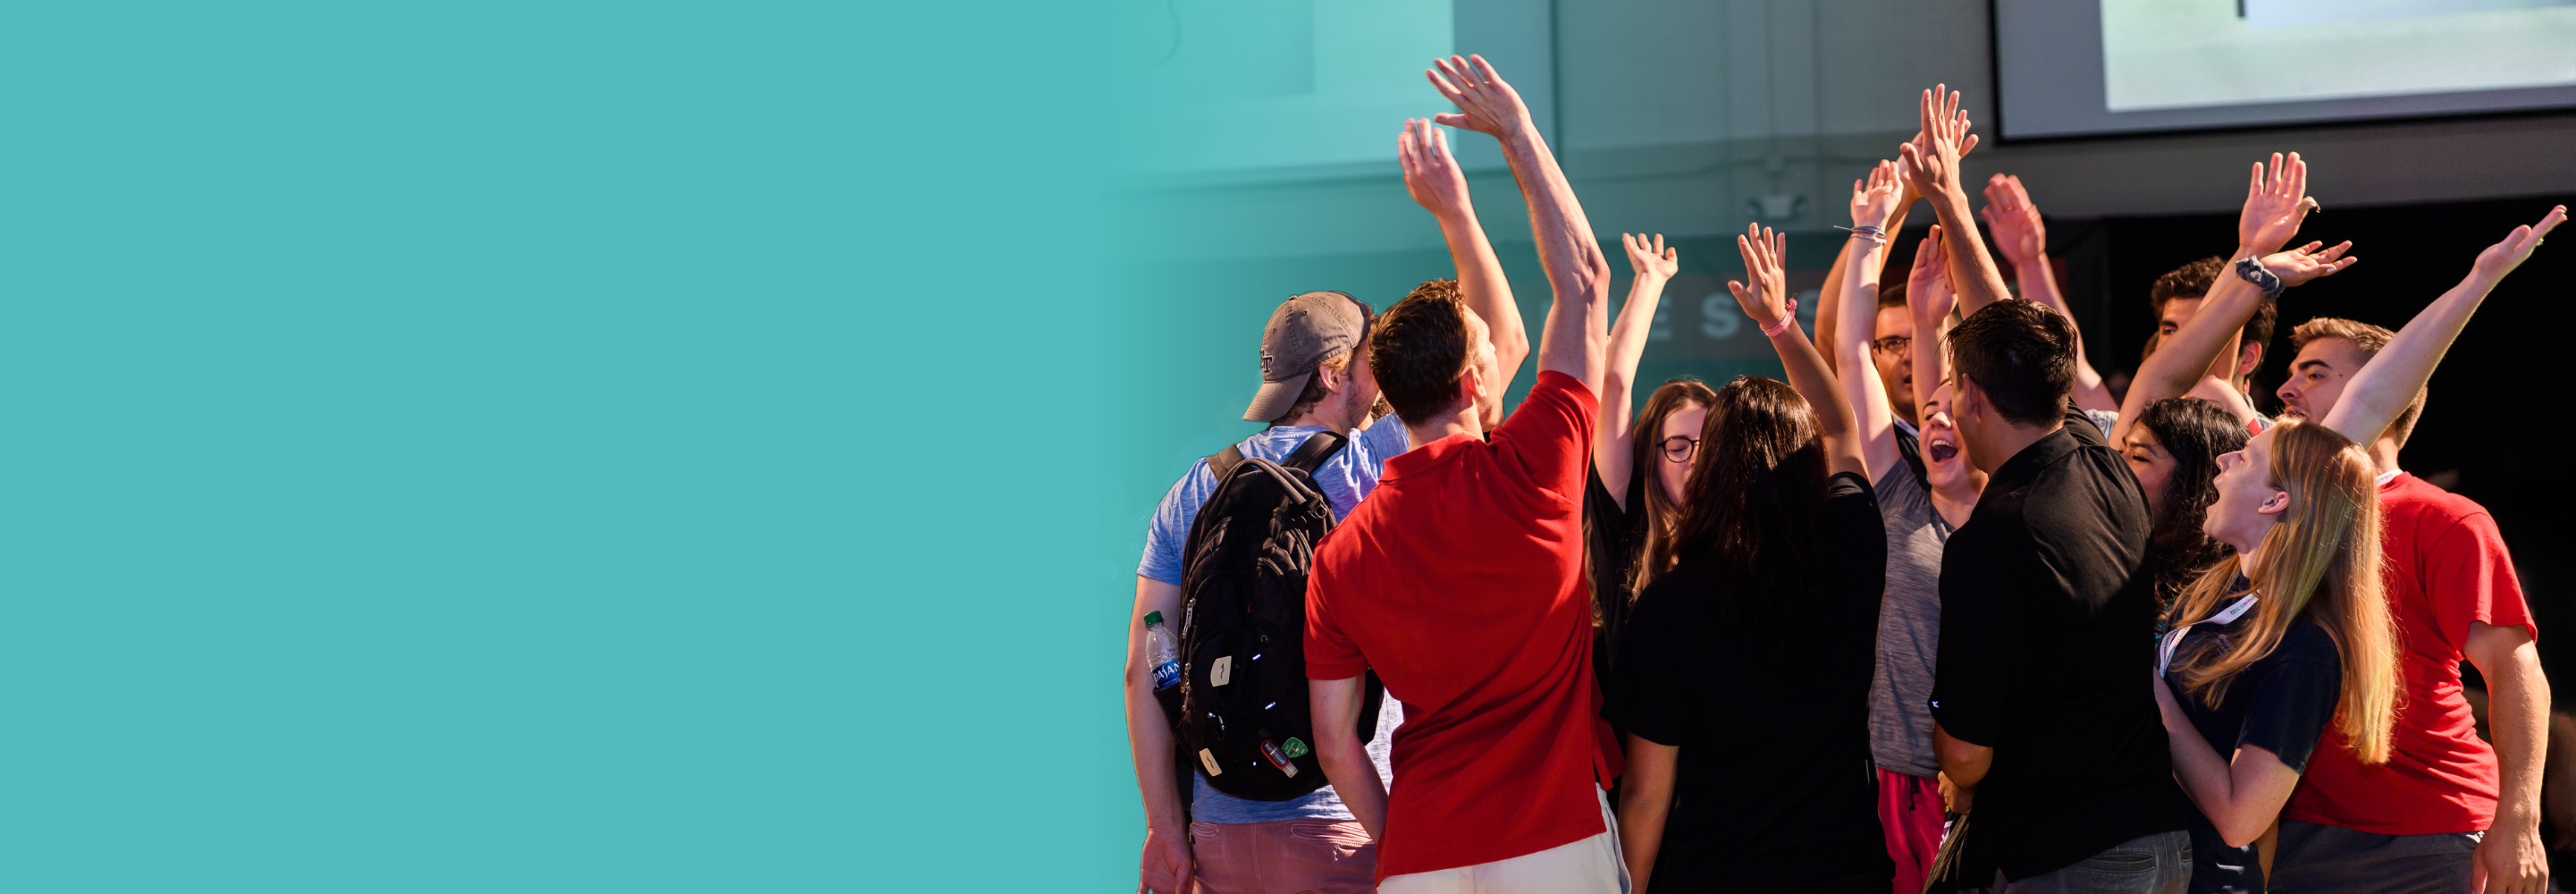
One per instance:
[(1909, 627)]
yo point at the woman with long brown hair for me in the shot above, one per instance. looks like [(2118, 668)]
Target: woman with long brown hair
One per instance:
[(2271, 646), (2174, 449), (1744, 676), (1638, 466)]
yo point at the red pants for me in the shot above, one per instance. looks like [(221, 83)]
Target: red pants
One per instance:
[(1909, 808)]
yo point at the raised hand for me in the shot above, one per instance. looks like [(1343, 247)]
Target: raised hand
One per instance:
[(2300, 265), (1651, 258), (1765, 253), (1485, 103), (1928, 295), (1875, 198), (1932, 157), (2275, 204), (2500, 258), (2015, 221), (1431, 174)]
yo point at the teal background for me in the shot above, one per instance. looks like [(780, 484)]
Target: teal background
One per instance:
[(553, 447)]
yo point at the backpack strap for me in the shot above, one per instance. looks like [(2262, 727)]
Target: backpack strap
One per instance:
[(1312, 454), (1223, 463)]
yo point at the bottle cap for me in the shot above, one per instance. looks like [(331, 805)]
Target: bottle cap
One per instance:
[(1153, 617)]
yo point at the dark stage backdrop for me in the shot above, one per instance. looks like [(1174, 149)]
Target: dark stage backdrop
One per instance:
[(2488, 423)]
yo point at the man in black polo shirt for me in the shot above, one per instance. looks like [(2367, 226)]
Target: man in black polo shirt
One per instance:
[(2043, 719)]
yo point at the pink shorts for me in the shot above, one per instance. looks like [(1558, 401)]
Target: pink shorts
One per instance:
[(1284, 857), (1909, 808)]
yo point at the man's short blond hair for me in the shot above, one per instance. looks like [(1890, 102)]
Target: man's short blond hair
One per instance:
[(2368, 340)]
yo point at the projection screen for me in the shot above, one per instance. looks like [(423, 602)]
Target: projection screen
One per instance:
[(2097, 67)]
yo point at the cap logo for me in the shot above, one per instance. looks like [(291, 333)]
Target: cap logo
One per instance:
[(1265, 363)]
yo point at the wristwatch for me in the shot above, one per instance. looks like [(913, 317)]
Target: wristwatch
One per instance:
[(2253, 271)]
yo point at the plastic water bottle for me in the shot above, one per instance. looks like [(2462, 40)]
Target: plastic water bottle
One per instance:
[(1162, 651)]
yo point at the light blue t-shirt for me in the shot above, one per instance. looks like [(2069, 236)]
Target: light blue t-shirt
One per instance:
[(1346, 477)]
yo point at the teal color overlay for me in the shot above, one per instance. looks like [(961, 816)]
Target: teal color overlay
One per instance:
[(557, 447)]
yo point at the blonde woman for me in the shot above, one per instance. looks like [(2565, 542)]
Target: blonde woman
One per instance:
[(2277, 643)]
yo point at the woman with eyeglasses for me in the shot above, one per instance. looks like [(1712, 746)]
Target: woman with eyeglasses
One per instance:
[(1742, 679), (1637, 465)]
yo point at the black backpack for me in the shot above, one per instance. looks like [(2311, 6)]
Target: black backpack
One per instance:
[(1240, 712)]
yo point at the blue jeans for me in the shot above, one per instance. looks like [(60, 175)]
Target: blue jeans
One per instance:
[(2155, 864)]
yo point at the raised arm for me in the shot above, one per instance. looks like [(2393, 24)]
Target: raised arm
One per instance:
[(1930, 163), (2275, 203), (1928, 300), (1612, 437), (1432, 176), (1829, 308), (1576, 336), (1767, 302), (2389, 382), (2023, 239), (1828, 316), (1871, 201)]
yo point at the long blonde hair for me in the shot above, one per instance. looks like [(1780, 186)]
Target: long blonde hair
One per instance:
[(2321, 562)]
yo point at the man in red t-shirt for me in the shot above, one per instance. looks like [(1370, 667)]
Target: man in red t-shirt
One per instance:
[(2447, 812), (1460, 580)]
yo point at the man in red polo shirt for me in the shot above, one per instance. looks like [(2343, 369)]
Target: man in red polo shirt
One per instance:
[(1460, 581), (2447, 812)]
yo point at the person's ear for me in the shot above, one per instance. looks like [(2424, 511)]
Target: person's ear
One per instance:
[(1471, 386), (2277, 503), (1333, 380), (2249, 359)]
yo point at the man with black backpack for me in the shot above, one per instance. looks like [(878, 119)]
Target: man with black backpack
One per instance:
[(1313, 390)]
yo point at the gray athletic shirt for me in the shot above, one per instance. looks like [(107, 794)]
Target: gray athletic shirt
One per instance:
[(1909, 627)]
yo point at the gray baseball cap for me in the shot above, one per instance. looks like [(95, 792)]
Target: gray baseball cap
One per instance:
[(1304, 331)]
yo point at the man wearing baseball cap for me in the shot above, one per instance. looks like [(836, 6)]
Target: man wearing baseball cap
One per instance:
[(1313, 379)]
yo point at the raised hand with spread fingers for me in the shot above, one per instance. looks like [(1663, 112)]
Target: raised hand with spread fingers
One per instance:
[(1613, 432), (1434, 179), (1766, 299), (1485, 103), (2304, 264), (1930, 165), (1578, 274), (2020, 236), (2023, 239), (2275, 204), (1932, 157)]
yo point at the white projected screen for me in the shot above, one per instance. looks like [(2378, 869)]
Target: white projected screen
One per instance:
[(2142, 65)]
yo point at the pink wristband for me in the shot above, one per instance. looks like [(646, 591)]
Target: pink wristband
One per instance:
[(1788, 318)]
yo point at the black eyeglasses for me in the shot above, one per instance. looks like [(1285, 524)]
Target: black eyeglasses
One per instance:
[(1893, 344), (1679, 448)]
